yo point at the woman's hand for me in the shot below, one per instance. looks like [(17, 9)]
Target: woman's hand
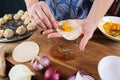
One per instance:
[(87, 32), (90, 23), (41, 16)]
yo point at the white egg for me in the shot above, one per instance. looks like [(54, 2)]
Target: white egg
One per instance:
[(20, 72), (109, 68), (74, 33)]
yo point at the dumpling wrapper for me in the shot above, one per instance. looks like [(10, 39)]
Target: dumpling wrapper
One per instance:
[(25, 51), (72, 35)]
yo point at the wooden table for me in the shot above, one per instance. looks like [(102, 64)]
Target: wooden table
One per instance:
[(101, 39), (66, 56)]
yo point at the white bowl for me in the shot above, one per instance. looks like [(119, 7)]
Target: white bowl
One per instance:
[(108, 19), (109, 68)]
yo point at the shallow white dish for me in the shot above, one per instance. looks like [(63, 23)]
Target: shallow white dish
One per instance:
[(108, 19), (109, 68)]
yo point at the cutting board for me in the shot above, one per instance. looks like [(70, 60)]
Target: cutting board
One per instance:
[(65, 55)]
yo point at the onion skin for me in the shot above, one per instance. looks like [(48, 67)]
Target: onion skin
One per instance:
[(36, 66), (39, 63), (45, 61), (52, 74), (71, 77), (88, 77), (20, 72), (84, 77)]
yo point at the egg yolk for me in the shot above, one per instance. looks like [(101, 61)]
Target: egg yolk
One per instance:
[(66, 27)]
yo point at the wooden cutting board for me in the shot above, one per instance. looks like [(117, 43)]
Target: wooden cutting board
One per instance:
[(66, 56)]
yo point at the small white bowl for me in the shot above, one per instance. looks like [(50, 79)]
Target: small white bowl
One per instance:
[(109, 68), (108, 19)]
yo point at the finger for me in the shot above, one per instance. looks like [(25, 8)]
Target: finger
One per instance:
[(82, 32), (48, 13), (54, 35), (48, 31), (38, 21), (33, 21), (84, 41), (31, 14), (43, 17)]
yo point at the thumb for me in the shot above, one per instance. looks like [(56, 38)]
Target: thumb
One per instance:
[(84, 41)]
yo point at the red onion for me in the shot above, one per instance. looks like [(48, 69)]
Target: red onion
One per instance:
[(80, 76), (38, 63), (88, 77), (52, 74), (45, 61), (71, 77), (36, 66)]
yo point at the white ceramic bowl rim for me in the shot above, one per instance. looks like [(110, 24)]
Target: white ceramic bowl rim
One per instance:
[(105, 19), (106, 63)]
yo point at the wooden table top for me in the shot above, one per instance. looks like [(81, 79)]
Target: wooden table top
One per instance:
[(101, 39), (66, 56)]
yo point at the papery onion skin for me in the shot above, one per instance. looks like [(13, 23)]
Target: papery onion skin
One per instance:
[(52, 74), (71, 77), (39, 63), (36, 66), (45, 61), (88, 77), (85, 77)]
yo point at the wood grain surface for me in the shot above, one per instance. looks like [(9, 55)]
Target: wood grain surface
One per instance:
[(65, 55)]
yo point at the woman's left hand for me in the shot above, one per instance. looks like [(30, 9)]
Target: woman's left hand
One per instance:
[(87, 32)]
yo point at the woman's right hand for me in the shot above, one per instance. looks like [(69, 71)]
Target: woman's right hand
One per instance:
[(41, 16)]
